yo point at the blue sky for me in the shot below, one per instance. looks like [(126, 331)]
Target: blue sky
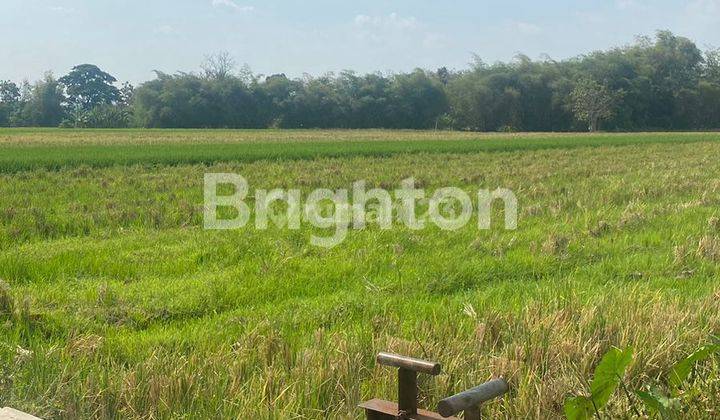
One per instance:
[(130, 38)]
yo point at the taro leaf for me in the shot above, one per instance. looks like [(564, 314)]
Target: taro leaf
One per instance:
[(608, 375), (579, 408), (681, 371), (658, 403)]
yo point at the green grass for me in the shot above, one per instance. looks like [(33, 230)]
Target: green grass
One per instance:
[(21, 157), (117, 304)]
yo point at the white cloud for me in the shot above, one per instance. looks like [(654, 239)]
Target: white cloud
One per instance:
[(386, 30), (391, 21), (232, 5), (395, 32)]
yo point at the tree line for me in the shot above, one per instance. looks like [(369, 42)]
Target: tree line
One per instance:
[(660, 83)]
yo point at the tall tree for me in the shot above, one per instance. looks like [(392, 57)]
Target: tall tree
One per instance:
[(711, 71), (9, 101), (9, 92), (126, 94), (593, 102), (416, 100), (87, 86), (43, 104)]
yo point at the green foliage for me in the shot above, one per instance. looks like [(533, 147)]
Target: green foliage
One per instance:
[(669, 406), (592, 102), (681, 371), (608, 375), (9, 92), (75, 117), (610, 372), (711, 71), (665, 83), (42, 105), (9, 101), (6, 112), (656, 403), (189, 101), (88, 87), (414, 100), (579, 408), (102, 116), (108, 116), (7, 302)]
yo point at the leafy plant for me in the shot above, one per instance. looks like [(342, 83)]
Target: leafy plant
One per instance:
[(608, 375), (657, 403), (667, 406), (681, 371)]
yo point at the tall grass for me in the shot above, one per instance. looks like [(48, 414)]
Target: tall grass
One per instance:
[(116, 304)]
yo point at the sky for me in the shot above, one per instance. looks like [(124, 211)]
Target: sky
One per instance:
[(131, 38)]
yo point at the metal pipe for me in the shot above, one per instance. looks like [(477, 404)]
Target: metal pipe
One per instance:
[(409, 363), (472, 398), (407, 392)]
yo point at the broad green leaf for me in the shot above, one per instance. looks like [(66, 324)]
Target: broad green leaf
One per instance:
[(652, 403), (608, 375), (681, 371), (579, 408), (657, 403)]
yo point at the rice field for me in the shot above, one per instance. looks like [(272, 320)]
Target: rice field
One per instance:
[(115, 303)]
